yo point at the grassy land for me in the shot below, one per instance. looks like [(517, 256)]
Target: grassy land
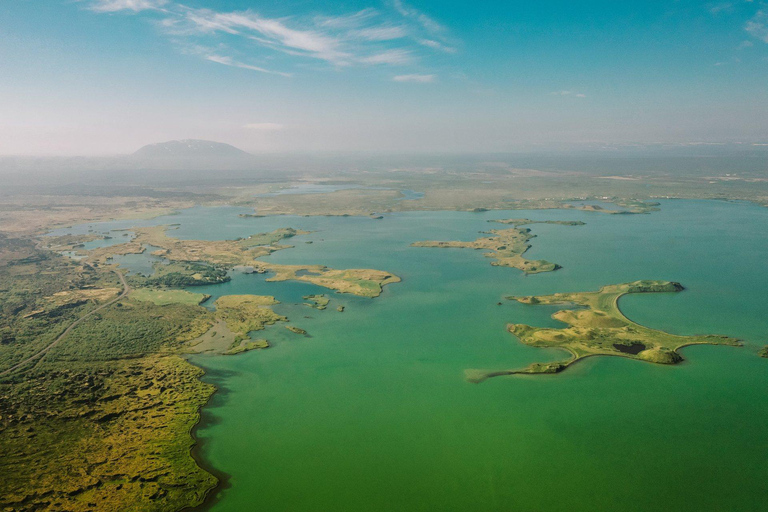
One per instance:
[(247, 346), (362, 282), (178, 274), (600, 329), (102, 421), (247, 313), (525, 222), (112, 435), (506, 246), (166, 297), (204, 262), (317, 301), (215, 252)]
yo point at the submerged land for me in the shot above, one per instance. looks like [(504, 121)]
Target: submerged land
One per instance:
[(97, 400)]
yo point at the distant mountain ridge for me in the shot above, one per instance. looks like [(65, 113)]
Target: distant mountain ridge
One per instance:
[(186, 148)]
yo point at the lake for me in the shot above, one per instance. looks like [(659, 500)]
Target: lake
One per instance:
[(372, 412)]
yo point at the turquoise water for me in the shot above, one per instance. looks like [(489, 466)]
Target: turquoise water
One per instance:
[(373, 413)]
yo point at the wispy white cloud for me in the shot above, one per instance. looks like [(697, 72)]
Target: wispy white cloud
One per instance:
[(272, 32), (382, 33), (395, 57), (758, 25), (437, 45), (229, 61), (126, 5), (420, 79), (397, 36), (347, 21), (265, 127), (425, 21)]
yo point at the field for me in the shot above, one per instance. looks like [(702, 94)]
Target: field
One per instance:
[(166, 297)]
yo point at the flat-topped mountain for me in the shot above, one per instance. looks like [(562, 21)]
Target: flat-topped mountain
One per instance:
[(190, 148)]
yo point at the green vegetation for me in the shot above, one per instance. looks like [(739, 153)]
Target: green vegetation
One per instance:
[(296, 330), (165, 297), (629, 206), (226, 253), (317, 301), (41, 294), (247, 313), (181, 274), (599, 328), (246, 346), (110, 435), (271, 238), (204, 262), (131, 329), (101, 420), (362, 282), (506, 246), (524, 222), (764, 351)]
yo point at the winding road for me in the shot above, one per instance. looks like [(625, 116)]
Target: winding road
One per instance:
[(126, 290)]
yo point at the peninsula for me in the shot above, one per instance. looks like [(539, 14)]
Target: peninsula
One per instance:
[(598, 327)]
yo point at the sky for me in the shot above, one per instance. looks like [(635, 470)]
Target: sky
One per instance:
[(101, 77)]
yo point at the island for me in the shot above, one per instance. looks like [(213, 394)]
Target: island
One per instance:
[(596, 326), (506, 246), (317, 301)]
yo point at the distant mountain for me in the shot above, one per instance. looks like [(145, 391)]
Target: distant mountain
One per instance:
[(190, 148)]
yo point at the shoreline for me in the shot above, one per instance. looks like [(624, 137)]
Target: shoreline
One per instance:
[(213, 494)]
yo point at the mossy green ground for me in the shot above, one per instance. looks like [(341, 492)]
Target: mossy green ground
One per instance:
[(598, 327), (317, 301), (165, 297), (102, 420), (203, 261), (506, 246)]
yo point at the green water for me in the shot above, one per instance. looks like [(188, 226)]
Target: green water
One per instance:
[(372, 412)]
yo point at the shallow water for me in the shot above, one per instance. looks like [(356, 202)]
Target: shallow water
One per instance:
[(373, 413)]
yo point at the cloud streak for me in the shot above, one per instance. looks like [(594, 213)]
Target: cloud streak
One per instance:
[(229, 61), (126, 5), (397, 36)]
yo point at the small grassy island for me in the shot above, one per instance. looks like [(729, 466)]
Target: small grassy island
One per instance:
[(600, 328), (317, 301), (764, 352), (507, 246)]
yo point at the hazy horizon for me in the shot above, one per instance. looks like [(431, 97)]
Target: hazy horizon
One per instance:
[(106, 77)]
